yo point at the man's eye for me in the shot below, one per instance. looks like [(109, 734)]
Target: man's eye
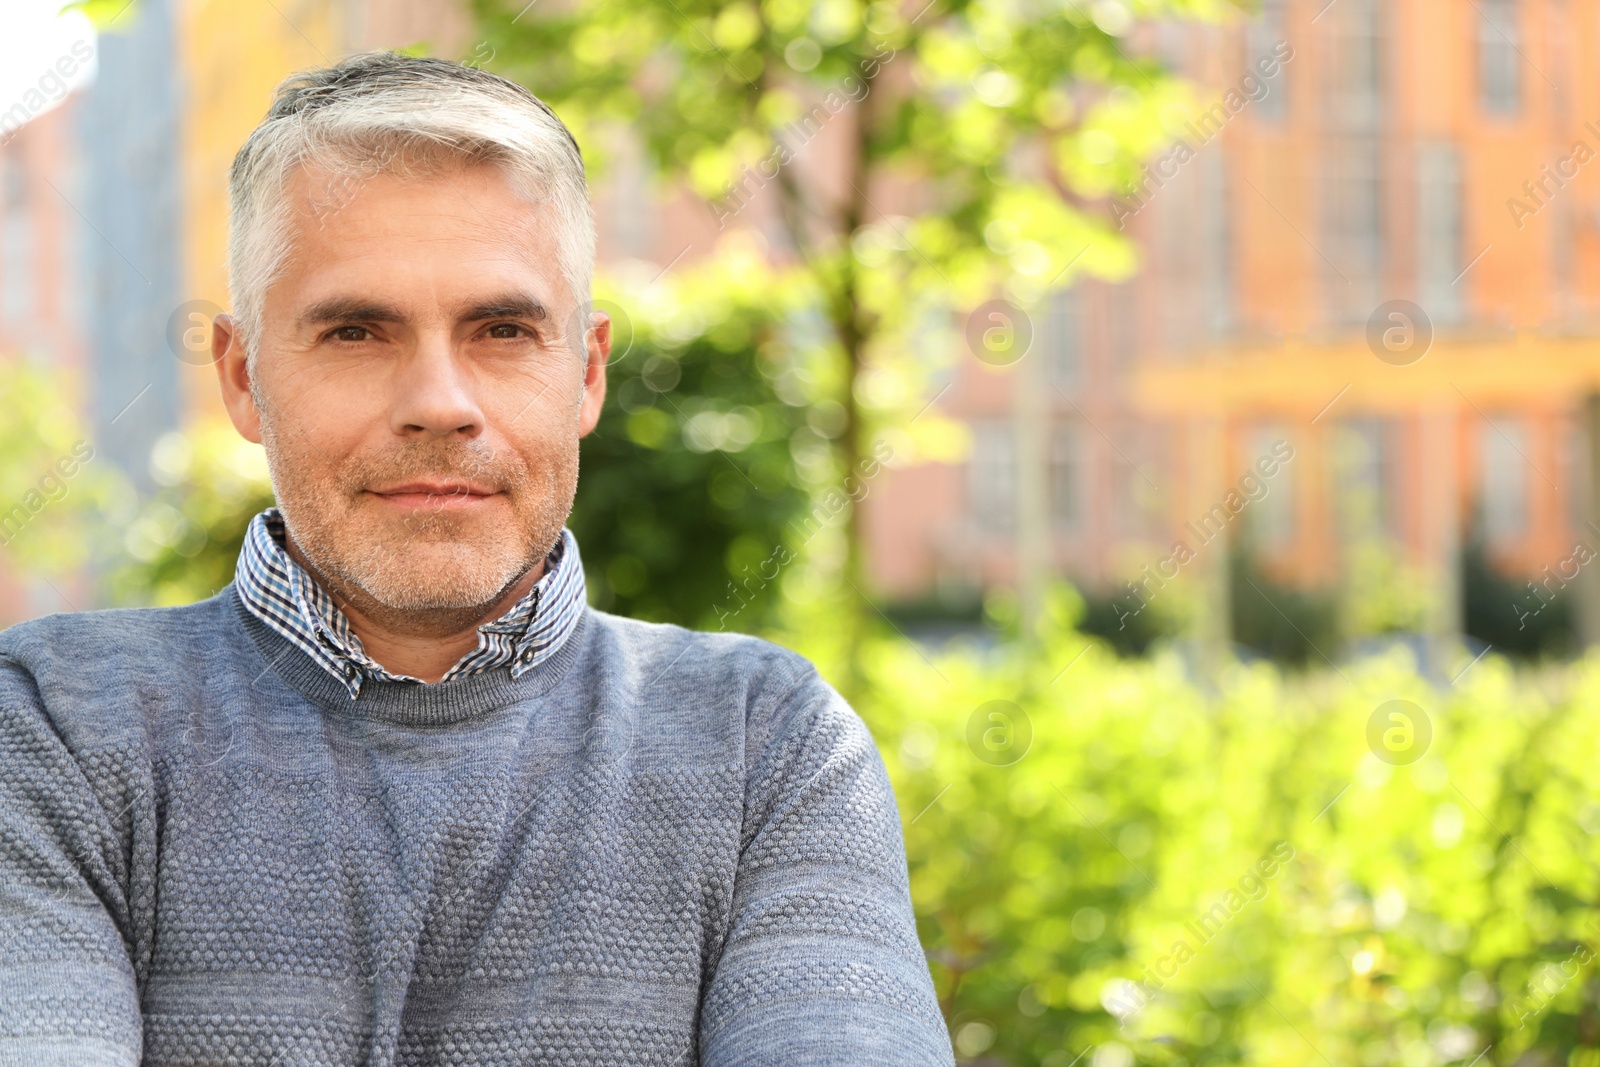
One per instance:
[(350, 333), (505, 331)]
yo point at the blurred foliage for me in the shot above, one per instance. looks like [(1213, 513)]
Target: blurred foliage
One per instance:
[(1515, 615), (52, 489), (1109, 616), (1268, 617), (1381, 592), (182, 544), (692, 483), (106, 15), (1064, 841), (1280, 621)]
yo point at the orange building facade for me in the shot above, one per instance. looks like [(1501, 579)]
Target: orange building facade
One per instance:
[(1386, 255)]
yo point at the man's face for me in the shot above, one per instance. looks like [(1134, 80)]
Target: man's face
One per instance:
[(421, 389)]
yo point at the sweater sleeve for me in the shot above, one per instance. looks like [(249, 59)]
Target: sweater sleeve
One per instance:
[(68, 995), (822, 965)]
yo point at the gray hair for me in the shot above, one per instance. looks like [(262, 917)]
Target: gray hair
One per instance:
[(385, 112)]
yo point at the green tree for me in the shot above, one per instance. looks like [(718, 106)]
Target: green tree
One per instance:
[(690, 488), (53, 488), (181, 544), (968, 137)]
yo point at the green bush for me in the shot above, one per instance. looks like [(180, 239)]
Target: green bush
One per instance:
[(182, 543), (53, 482), (1509, 614), (690, 486), (1063, 842), (1111, 616), (1283, 622)]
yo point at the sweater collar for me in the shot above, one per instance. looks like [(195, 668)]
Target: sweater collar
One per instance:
[(397, 703), (286, 598)]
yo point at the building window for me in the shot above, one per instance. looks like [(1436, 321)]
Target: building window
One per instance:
[(1499, 76), (1366, 464), (1350, 244), (1439, 256), (1558, 53), (1060, 341), (1175, 268), (1135, 472), (1576, 478), (1560, 211), (1216, 249), (1122, 323), (16, 242), (1504, 500), (1066, 477), (1271, 516), (1193, 255), (992, 477), (1265, 34), (1352, 222), (1355, 68)]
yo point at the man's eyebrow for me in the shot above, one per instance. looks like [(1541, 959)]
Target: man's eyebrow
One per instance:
[(357, 309), (348, 309), (506, 306)]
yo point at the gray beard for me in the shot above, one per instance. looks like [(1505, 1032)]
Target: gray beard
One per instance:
[(429, 572)]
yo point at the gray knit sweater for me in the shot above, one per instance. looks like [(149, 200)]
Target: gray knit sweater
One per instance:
[(657, 847)]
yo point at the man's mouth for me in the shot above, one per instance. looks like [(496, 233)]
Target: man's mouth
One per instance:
[(436, 496)]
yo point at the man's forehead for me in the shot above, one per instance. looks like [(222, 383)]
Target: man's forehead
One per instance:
[(469, 234), (326, 194)]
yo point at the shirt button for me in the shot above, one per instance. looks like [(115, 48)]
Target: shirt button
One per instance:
[(526, 656)]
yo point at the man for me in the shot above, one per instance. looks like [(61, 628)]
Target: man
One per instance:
[(397, 795)]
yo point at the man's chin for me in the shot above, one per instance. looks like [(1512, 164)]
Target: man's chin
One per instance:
[(432, 592), (438, 576)]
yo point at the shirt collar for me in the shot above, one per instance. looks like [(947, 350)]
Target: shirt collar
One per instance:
[(287, 598)]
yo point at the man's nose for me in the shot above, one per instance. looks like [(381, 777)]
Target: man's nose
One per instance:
[(435, 391)]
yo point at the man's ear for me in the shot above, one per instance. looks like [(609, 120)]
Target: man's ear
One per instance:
[(597, 353), (233, 374)]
